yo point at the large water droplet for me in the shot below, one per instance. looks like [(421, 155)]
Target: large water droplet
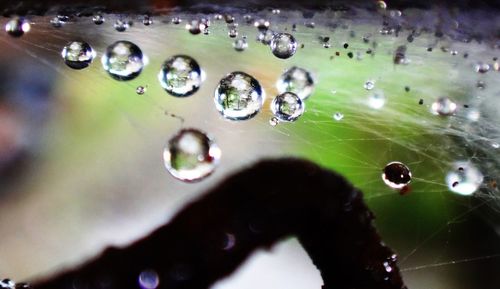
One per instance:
[(239, 96), (287, 107), (240, 44), (191, 155), (296, 80), (396, 175), (17, 26), (283, 45), (443, 106), (78, 55), (464, 178), (149, 279), (123, 60), (181, 76)]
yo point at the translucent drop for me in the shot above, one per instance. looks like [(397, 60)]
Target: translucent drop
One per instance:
[(123, 60), (56, 22), (240, 44), (338, 116), (262, 25), (296, 80), (176, 20), (369, 84), (396, 175), (98, 19), (196, 26), (191, 155), (17, 26), (283, 45), (377, 100), (140, 90), (239, 96), (482, 67), (147, 20), (181, 76), (149, 279), (265, 37), (78, 55), (232, 33), (229, 242), (121, 26), (287, 107), (274, 121), (443, 106), (381, 5), (276, 11), (464, 178)]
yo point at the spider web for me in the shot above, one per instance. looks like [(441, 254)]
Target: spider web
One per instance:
[(98, 177)]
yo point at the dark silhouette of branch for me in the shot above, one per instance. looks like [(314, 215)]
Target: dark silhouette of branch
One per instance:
[(256, 207)]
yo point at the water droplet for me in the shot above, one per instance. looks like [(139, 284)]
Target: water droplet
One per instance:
[(265, 37), (482, 67), (121, 25), (275, 11), (262, 25), (196, 26), (338, 116), (376, 100), (283, 45), (274, 121), (147, 20), (296, 80), (181, 76), (443, 106), (229, 242), (149, 279), (98, 19), (464, 181), (123, 60), (176, 20), (7, 284), (480, 84), (396, 175), (287, 107), (78, 55), (381, 5), (240, 44), (56, 22), (17, 26), (369, 84), (191, 155), (239, 96), (140, 90), (495, 145), (232, 33)]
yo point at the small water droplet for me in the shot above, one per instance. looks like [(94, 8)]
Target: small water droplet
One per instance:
[(232, 33), (229, 242), (56, 22), (274, 121), (287, 107), (283, 45), (181, 76), (400, 55), (191, 155), (239, 96), (376, 100), (140, 90), (98, 19), (265, 37), (176, 20), (240, 44), (78, 55), (465, 181), (147, 20), (443, 106), (17, 26), (480, 84), (149, 279), (482, 67), (121, 25), (369, 84), (296, 80), (338, 116), (381, 5), (262, 25), (123, 60), (396, 175), (196, 26)]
